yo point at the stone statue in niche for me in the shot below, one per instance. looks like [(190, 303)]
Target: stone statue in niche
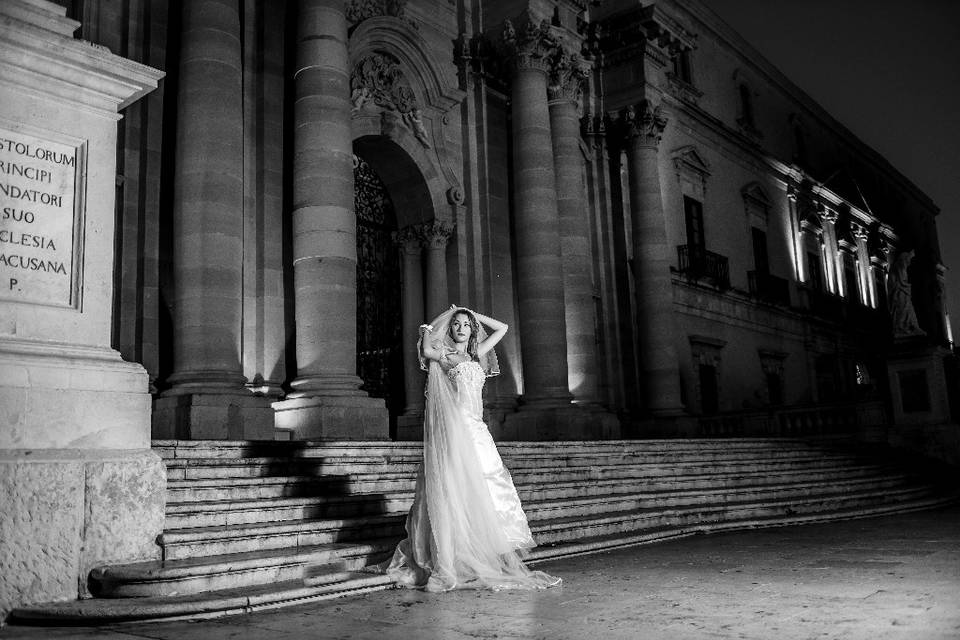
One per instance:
[(899, 296)]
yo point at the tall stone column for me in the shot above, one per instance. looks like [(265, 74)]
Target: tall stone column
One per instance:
[(208, 398), (435, 237), (410, 424), (542, 316), (326, 400), (831, 256), (659, 369), (564, 91), (546, 411)]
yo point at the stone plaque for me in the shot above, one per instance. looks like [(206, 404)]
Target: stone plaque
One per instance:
[(40, 206)]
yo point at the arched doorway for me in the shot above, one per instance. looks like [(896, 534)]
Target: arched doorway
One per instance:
[(379, 329)]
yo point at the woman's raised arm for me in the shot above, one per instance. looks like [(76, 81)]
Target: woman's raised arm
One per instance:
[(499, 330)]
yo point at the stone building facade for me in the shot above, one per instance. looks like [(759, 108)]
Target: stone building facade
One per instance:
[(681, 240), (631, 180)]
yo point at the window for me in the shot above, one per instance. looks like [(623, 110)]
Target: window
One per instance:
[(761, 261), (746, 107), (681, 66), (850, 280), (693, 211), (774, 388), (815, 270), (709, 391)]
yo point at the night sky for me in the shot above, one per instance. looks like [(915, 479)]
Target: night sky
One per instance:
[(890, 72)]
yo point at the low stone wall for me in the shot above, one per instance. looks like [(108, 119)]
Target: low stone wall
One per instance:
[(65, 512)]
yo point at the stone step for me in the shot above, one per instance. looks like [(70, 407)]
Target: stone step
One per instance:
[(238, 538), (185, 449), (179, 544), (332, 581), (210, 604), (232, 489), (199, 469), (213, 573), (568, 529), (238, 512)]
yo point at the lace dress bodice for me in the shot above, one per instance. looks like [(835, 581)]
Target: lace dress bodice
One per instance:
[(468, 378)]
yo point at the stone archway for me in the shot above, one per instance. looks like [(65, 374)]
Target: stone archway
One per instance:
[(418, 253)]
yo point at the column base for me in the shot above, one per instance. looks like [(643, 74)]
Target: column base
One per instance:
[(561, 423), (57, 395), (410, 426), (213, 416), (333, 418), (67, 511)]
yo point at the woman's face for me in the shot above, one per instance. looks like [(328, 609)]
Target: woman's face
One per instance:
[(460, 328)]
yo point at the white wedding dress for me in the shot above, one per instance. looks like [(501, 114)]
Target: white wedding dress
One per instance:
[(466, 528)]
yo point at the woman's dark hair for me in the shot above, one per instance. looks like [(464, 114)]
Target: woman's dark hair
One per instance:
[(474, 332)]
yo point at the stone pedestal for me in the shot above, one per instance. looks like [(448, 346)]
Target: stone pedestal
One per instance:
[(918, 382), (78, 483)]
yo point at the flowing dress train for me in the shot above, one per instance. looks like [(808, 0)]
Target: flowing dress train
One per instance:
[(466, 528)]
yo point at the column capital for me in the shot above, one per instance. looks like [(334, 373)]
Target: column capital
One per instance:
[(436, 233), (642, 123), (531, 45), (568, 73), (409, 240), (859, 232), (828, 215)]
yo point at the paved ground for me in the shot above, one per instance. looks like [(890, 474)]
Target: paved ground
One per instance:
[(893, 577)]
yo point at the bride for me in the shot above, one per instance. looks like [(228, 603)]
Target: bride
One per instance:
[(466, 528)]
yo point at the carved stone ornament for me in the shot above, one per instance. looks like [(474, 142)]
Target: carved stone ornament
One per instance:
[(644, 123), (903, 317), (532, 45), (568, 74), (378, 80), (408, 240), (455, 195), (359, 10), (436, 233)]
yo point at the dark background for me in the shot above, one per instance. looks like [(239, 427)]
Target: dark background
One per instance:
[(890, 72)]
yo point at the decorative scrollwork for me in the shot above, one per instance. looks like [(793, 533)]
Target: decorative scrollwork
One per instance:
[(532, 45), (378, 80), (567, 76), (359, 10)]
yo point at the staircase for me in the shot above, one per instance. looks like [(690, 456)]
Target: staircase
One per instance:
[(255, 525)]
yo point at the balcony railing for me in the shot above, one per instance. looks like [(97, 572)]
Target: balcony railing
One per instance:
[(697, 263), (769, 288), (796, 421)]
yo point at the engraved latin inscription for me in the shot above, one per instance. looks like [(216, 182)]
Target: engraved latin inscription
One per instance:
[(38, 213)]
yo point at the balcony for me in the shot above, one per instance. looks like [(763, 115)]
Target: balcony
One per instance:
[(769, 288), (696, 263)]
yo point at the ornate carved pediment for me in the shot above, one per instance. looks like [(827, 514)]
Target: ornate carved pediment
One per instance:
[(377, 81), (691, 168), (756, 203), (756, 195)]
